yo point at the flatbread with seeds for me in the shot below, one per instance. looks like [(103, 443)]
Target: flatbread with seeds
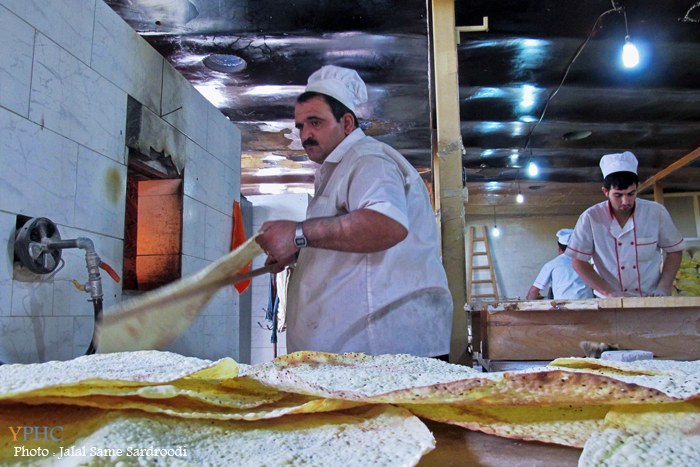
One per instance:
[(142, 368), (667, 434), (405, 379), (372, 435), (679, 380), (182, 407), (569, 425)]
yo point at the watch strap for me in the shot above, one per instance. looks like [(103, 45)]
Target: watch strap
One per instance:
[(299, 238)]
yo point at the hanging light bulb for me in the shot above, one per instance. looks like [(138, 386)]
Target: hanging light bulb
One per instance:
[(519, 198), (495, 231), (630, 55), (532, 169)]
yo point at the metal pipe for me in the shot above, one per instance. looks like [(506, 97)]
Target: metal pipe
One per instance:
[(60, 244), (94, 283), (483, 27), (92, 260), (97, 306)]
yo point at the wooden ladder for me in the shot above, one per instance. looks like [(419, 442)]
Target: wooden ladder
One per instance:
[(480, 267)]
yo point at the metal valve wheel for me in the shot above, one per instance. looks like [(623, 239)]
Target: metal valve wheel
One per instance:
[(32, 245)]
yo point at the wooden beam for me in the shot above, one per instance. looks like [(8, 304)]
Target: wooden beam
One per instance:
[(682, 162), (447, 167), (658, 193)]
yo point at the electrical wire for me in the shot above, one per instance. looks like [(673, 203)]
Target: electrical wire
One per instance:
[(615, 9), (686, 18)]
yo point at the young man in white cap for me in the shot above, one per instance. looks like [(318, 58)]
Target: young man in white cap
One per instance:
[(566, 283), (368, 276), (625, 237)]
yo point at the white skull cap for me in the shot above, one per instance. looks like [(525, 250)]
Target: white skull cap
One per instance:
[(563, 236), (343, 84), (620, 162)]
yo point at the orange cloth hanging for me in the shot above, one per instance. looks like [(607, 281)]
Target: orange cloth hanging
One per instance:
[(237, 239)]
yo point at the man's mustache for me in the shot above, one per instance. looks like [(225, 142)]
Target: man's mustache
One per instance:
[(309, 142)]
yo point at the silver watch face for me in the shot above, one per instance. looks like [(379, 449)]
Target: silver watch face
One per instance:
[(299, 239)]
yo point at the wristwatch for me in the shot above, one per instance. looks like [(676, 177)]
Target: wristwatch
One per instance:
[(299, 238)]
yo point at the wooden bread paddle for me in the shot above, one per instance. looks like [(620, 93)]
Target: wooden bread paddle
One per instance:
[(156, 318)]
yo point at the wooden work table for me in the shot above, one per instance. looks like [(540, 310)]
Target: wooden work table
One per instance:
[(457, 446), (542, 330)]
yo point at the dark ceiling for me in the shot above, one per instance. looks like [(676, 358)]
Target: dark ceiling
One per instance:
[(545, 74)]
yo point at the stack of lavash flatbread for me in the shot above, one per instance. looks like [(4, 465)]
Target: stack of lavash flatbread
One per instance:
[(152, 407)]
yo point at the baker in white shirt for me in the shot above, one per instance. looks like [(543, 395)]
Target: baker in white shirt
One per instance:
[(625, 238), (559, 272), (368, 277)]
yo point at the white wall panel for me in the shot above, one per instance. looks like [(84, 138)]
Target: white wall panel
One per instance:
[(100, 193), (38, 170), (193, 227), (126, 59), (63, 98), (71, 99), (184, 107), (68, 23), (224, 139), (16, 49)]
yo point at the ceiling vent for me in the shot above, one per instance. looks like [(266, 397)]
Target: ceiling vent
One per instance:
[(225, 63)]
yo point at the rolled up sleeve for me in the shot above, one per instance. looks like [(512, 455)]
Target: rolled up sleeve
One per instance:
[(581, 241), (377, 184)]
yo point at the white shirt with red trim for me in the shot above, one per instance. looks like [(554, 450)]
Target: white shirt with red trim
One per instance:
[(628, 257)]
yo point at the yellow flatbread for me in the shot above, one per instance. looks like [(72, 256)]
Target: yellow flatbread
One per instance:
[(667, 434), (355, 376), (374, 435), (91, 372), (287, 404), (679, 380), (567, 425), (156, 318), (236, 393), (606, 407), (404, 379)]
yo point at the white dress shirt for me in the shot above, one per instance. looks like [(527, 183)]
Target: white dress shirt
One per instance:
[(392, 301), (566, 283)]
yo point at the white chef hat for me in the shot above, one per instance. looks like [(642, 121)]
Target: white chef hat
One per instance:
[(620, 162), (563, 236), (343, 84)]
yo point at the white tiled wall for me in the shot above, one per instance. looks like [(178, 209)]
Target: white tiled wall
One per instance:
[(265, 208), (7, 227), (68, 67), (208, 178), (99, 178), (65, 91), (184, 107), (69, 23), (16, 48), (125, 59), (39, 170), (194, 215)]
